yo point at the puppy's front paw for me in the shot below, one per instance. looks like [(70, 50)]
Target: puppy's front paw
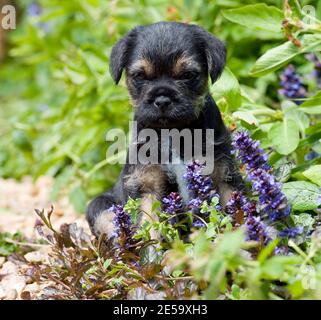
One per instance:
[(147, 214)]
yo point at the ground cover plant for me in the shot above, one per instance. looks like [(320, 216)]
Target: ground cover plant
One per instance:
[(60, 102)]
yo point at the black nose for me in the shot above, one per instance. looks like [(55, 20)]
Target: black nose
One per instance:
[(162, 102)]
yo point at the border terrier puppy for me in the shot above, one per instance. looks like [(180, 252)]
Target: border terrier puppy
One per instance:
[(167, 66)]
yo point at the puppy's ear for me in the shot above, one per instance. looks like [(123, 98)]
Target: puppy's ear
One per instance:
[(215, 52), (118, 59), (119, 55)]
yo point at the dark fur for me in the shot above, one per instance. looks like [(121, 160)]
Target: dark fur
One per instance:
[(167, 67)]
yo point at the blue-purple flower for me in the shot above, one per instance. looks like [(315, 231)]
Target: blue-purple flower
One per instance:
[(236, 202), (249, 151), (281, 250), (272, 201), (256, 230), (292, 86), (199, 185), (311, 155), (291, 232), (201, 189), (195, 203), (173, 203), (123, 227), (198, 223), (317, 67), (34, 10)]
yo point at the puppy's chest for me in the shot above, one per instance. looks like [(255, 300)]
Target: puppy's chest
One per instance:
[(167, 175), (158, 179)]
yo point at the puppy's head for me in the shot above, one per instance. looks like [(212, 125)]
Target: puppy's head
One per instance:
[(167, 66)]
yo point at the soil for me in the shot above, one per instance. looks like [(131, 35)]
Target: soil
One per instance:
[(17, 203)]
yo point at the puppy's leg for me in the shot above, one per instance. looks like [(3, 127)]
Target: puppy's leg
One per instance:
[(99, 217), (147, 213), (152, 181), (227, 179), (147, 182)]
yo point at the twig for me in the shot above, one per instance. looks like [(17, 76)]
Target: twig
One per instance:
[(174, 278), (25, 244), (58, 281)]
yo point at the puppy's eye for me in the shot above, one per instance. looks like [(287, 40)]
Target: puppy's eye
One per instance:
[(139, 76), (189, 75)]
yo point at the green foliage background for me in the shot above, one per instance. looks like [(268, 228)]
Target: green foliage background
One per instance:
[(58, 100)]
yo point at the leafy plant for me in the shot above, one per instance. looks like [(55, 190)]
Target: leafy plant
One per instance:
[(249, 250)]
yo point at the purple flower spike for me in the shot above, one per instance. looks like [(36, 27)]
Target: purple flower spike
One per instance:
[(249, 151), (236, 202), (291, 232), (256, 230), (198, 223), (281, 251), (201, 189), (292, 86), (123, 226), (195, 203), (172, 203), (199, 185), (272, 201), (317, 67), (239, 201)]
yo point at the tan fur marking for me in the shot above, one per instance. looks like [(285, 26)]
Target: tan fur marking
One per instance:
[(143, 64), (104, 223), (219, 177), (150, 178), (181, 63), (225, 191)]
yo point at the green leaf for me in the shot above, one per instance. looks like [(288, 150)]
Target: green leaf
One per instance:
[(302, 195), (75, 77), (246, 116), (7, 248), (132, 207), (285, 136), (283, 172), (211, 230), (156, 205), (257, 16), (78, 199), (312, 105), (275, 267), (235, 291), (149, 255), (303, 219), (267, 251), (274, 59), (299, 117), (107, 263), (227, 91), (314, 174), (230, 245), (279, 56)]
